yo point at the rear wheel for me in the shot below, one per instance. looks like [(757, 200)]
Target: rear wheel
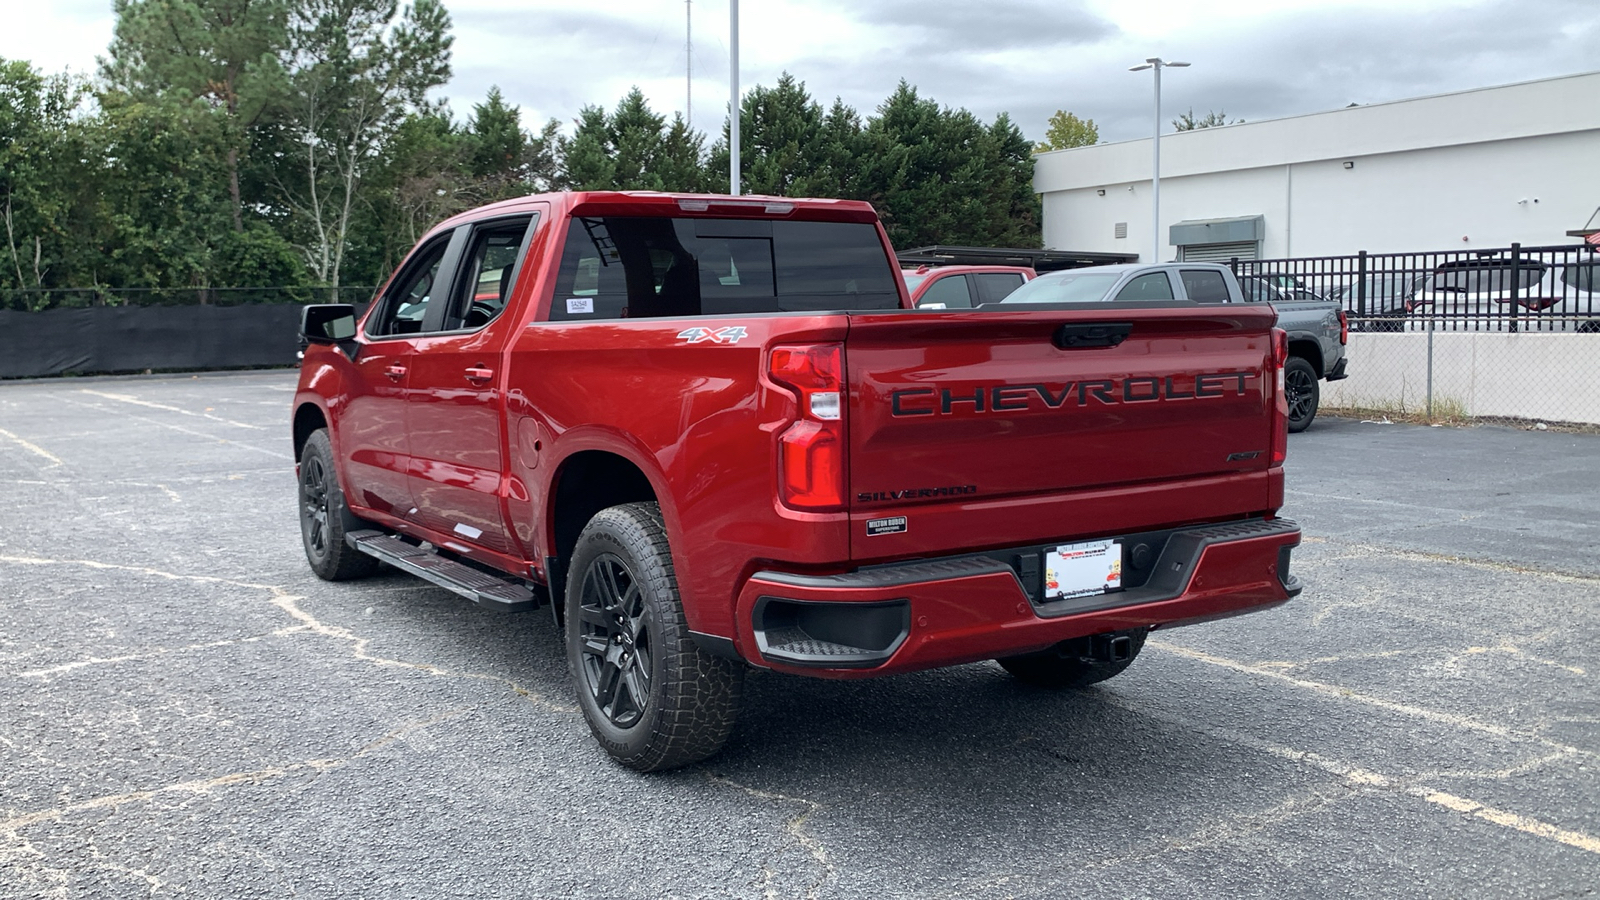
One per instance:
[(1075, 663), (1300, 381), (651, 697), (324, 517)]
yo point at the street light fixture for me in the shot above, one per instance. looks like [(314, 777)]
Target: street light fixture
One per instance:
[(1156, 63)]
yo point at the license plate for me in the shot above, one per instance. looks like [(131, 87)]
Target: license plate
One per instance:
[(1080, 570)]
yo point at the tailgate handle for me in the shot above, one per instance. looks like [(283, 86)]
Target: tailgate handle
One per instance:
[(1096, 334)]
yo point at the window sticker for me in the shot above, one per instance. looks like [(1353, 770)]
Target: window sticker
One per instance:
[(577, 305)]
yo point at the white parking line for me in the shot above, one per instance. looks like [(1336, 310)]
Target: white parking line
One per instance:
[(32, 448)]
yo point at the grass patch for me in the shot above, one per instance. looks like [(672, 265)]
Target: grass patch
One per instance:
[(1445, 411)]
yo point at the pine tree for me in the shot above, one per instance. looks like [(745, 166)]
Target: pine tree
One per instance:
[(226, 53)]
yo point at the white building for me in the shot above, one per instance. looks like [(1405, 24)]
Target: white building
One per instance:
[(1475, 169)]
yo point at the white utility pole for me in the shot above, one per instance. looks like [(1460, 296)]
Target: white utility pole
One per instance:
[(688, 63), (1155, 62), (733, 101)]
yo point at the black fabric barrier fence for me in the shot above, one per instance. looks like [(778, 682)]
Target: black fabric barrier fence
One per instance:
[(135, 338)]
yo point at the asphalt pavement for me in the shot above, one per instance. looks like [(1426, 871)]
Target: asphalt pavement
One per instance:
[(187, 710)]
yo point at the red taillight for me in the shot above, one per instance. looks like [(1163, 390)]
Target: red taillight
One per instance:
[(1280, 416), (811, 451), (1344, 327)]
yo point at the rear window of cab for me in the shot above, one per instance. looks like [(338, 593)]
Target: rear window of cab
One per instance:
[(615, 267)]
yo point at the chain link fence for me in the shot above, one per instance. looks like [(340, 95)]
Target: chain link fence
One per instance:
[(1507, 333)]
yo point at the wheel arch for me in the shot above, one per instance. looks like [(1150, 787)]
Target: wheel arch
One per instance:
[(1309, 350), (587, 481), (308, 417)]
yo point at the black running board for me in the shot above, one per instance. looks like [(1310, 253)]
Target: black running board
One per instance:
[(478, 586)]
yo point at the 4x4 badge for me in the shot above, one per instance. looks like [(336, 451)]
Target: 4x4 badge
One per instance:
[(733, 334)]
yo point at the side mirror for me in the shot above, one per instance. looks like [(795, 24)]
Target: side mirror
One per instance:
[(327, 323)]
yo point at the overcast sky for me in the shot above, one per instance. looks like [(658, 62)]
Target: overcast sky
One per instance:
[(1255, 59)]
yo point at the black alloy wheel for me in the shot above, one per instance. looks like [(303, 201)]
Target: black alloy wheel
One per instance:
[(324, 518), (314, 505), (614, 643), (1300, 384), (652, 698)]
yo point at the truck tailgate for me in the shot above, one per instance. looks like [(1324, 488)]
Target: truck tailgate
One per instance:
[(1036, 418)]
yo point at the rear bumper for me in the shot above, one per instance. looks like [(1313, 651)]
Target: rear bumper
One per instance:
[(905, 617)]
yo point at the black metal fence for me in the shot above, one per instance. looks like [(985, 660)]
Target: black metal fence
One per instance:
[(1510, 289)]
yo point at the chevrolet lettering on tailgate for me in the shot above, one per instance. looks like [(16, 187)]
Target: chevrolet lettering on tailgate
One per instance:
[(928, 401)]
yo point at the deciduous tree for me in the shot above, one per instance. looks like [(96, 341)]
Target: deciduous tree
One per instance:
[(1065, 130)]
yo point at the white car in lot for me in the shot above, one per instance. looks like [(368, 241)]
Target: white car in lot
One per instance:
[(1483, 295)]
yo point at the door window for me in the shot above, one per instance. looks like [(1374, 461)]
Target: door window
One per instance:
[(994, 286), (1204, 285), (409, 297), (950, 291), (487, 273), (1149, 286)]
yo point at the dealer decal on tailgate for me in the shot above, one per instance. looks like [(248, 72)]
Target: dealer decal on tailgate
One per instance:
[(891, 525)]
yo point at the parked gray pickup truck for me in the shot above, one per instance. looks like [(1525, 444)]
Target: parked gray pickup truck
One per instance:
[(1318, 330)]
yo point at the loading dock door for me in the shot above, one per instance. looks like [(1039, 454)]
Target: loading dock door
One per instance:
[(1217, 240), (1218, 252)]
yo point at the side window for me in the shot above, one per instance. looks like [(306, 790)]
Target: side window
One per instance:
[(487, 272), (1149, 286), (994, 286), (409, 297), (1204, 285), (1583, 276), (950, 290)]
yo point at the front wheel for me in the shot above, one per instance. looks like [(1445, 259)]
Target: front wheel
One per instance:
[(651, 697), (1300, 381), (1074, 663), (324, 517)]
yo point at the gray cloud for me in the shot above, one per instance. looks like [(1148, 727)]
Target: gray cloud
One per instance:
[(1030, 58), (997, 25)]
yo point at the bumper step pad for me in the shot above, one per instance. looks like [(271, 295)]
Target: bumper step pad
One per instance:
[(478, 586)]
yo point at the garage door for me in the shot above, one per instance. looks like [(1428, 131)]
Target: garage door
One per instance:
[(1218, 252)]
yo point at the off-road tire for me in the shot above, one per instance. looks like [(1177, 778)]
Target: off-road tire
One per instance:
[(653, 699), (1300, 382), (324, 517), (1065, 666)]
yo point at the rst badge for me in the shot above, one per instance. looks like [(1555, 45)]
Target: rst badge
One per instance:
[(733, 334)]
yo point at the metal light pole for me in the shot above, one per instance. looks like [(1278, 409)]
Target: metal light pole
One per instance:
[(733, 101), (1154, 62)]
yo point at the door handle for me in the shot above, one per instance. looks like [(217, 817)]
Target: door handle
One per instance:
[(395, 373), (479, 375)]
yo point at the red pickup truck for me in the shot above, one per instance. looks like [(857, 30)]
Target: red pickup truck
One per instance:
[(711, 433)]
